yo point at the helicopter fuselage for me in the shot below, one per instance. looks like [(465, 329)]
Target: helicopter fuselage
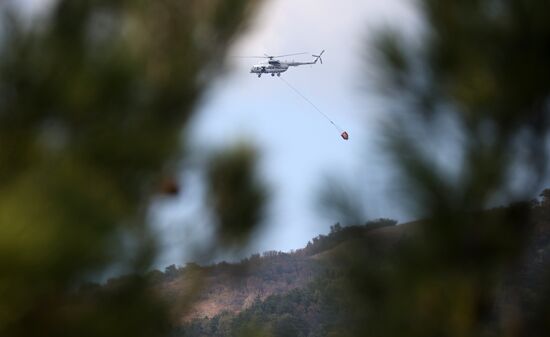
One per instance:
[(269, 68)]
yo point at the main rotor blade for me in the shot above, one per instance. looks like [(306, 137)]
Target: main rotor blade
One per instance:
[(268, 56), (290, 54), (251, 57)]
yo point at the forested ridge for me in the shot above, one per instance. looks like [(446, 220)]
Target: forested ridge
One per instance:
[(306, 292), (231, 287), (325, 307)]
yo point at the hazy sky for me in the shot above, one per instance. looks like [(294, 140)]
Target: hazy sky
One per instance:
[(299, 148)]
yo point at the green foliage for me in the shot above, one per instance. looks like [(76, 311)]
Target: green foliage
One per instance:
[(339, 234), (92, 105), (235, 194), (93, 101), (481, 67), (318, 309)]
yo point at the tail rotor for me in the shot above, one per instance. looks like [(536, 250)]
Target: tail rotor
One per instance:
[(318, 57)]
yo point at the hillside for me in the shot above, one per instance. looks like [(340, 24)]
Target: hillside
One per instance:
[(311, 292), (232, 288), (317, 290)]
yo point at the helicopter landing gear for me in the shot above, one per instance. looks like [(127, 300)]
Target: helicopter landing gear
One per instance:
[(272, 74), (278, 74), (259, 75)]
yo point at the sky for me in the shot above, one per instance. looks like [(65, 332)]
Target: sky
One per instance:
[(299, 148)]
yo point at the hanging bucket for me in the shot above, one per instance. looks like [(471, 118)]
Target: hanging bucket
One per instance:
[(345, 135)]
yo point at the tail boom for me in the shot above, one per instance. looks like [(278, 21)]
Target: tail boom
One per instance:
[(317, 58)]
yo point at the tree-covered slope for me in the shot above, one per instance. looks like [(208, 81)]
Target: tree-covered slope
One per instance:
[(327, 305)]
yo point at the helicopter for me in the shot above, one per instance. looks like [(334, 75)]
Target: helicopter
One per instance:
[(276, 67)]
